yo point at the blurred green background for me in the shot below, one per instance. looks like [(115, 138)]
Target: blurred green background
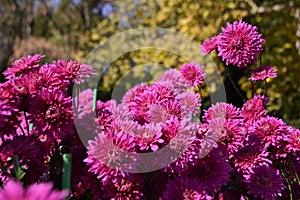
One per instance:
[(70, 29)]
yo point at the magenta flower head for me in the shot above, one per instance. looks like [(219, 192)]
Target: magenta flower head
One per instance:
[(24, 66), (190, 103), (269, 129), (140, 99), (51, 113), (43, 191), (186, 189), (73, 71), (108, 150), (48, 78), (212, 171), (252, 155), (239, 43), (254, 109), (209, 45), (222, 110), (150, 137), (229, 132), (265, 183), (193, 73), (262, 73)]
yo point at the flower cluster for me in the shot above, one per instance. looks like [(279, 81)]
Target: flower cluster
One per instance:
[(228, 154), (36, 124), (149, 145)]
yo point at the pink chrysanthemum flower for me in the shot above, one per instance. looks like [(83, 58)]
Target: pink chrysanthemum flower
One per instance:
[(24, 66), (139, 103), (150, 137), (254, 109), (262, 73), (213, 171), (190, 103), (269, 129), (239, 43), (51, 114), (193, 73), (31, 154), (209, 45), (106, 156), (229, 132), (293, 140), (130, 187), (141, 98), (43, 191), (174, 78), (222, 110), (48, 78), (185, 188), (252, 155), (140, 108), (73, 71), (265, 183)]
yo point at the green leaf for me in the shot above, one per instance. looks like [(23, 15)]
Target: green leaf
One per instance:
[(18, 172)]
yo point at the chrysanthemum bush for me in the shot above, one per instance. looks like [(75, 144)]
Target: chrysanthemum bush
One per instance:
[(224, 152)]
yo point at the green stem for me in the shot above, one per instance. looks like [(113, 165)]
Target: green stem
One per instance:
[(297, 177), (67, 172), (95, 99), (288, 183), (293, 170), (30, 126)]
